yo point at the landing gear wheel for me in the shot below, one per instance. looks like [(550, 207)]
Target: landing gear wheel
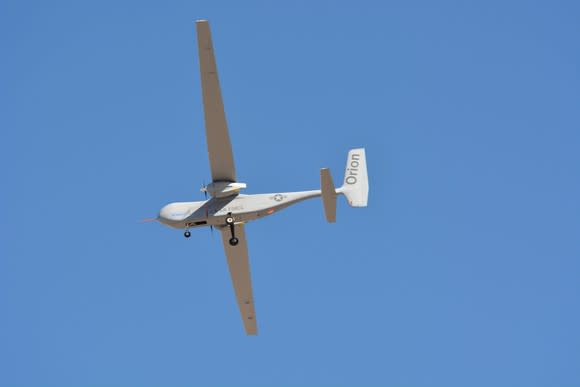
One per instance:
[(187, 234), (230, 222)]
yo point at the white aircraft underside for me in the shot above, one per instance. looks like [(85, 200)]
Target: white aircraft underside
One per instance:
[(214, 211), (227, 210)]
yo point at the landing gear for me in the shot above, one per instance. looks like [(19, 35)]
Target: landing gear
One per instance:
[(187, 234), (230, 222)]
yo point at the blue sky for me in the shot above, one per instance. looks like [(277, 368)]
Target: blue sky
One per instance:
[(463, 271)]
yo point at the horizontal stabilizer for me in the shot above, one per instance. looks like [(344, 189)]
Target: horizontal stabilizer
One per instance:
[(328, 195)]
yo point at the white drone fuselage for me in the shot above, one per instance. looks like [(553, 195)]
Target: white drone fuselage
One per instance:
[(243, 208)]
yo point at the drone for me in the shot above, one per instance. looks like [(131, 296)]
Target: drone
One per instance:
[(228, 210)]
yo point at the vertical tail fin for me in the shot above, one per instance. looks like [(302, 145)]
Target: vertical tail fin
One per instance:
[(356, 184)]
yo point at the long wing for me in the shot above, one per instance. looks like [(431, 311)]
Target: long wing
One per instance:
[(240, 272), (219, 148)]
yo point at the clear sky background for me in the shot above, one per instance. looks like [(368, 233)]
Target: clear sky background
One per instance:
[(464, 270)]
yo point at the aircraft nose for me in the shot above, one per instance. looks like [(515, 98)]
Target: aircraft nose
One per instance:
[(174, 212), (165, 213)]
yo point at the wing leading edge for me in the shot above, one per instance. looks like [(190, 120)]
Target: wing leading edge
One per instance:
[(219, 147), (239, 266)]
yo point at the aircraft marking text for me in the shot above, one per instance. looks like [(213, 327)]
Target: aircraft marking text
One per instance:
[(352, 171)]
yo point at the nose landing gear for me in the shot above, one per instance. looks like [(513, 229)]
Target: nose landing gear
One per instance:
[(230, 222), (187, 234)]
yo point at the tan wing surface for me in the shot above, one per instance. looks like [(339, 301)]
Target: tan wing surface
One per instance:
[(239, 266), (219, 148)]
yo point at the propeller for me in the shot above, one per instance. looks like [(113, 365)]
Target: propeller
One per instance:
[(204, 189), (148, 220)]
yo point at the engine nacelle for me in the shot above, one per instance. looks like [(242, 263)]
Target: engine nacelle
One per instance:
[(220, 189)]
